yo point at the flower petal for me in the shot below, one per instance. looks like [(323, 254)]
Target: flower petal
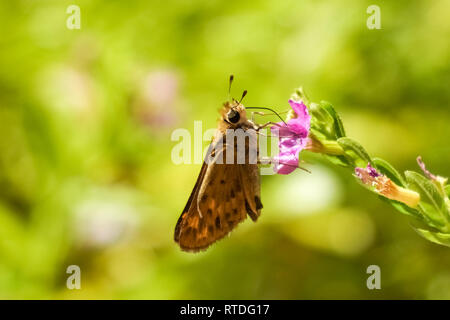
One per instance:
[(281, 130), (301, 110), (294, 144), (299, 127), (286, 163), (292, 138)]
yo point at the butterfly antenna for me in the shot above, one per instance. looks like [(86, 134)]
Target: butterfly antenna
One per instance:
[(243, 95), (229, 85), (274, 112)]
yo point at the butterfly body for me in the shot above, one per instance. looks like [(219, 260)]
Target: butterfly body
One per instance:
[(228, 186)]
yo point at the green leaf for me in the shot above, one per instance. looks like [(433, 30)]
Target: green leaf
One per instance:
[(388, 170), (430, 233), (403, 208), (447, 190), (317, 134), (338, 160), (355, 152), (300, 93), (320, 113), (432, 203), (321, 121), (436, 237), (337, 122)]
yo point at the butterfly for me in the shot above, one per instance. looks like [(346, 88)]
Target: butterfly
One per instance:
[(225, 191)]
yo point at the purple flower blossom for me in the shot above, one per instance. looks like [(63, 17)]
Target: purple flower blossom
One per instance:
[(367, 175), (372, 171), (292, 138)]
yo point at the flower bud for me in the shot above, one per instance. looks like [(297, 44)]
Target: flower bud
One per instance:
[(384, 186)]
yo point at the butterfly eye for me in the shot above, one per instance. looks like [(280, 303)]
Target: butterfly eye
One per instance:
[(233, 116)]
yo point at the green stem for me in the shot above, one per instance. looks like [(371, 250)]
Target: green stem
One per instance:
[(332, 148), (325, 146)]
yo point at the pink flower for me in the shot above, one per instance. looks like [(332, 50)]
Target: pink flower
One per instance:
[(292, 138)]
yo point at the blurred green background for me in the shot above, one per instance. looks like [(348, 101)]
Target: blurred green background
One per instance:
[(86, 116)]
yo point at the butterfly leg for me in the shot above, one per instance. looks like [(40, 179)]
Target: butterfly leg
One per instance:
[(269, 160), (265, 160), (266, 135), (270, 123), (253, 115), (263, 114)]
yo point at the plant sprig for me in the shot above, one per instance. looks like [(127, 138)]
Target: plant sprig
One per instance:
[(424, 198)]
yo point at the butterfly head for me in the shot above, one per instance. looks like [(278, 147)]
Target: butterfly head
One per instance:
[(234, 113)]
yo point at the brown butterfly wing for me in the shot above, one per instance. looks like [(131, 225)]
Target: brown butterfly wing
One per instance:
[(192, 199), (250, 180), (222, 197)]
